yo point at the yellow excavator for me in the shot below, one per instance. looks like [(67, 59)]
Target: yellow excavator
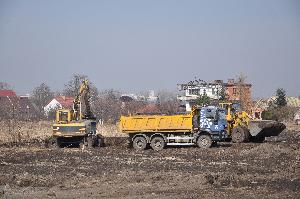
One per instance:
[(77, 126), (242, 128)]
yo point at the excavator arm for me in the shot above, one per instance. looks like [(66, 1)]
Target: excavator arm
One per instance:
[(82, 96)]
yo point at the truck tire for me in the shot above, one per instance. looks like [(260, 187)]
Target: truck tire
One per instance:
[(90, 141), (58, 143), (100, 141), (204, 141), (238, 134), (139, 143), (82, 145), (157, 143)]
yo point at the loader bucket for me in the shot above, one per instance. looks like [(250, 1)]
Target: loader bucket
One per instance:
[(265, 128)]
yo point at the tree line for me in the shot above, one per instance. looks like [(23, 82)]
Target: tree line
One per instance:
[(106, 104)]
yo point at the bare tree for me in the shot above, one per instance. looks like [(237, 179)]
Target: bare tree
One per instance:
[(107, 106), (243, 92), (73, 85), (11, 117), (169, 107), (165, 96), (41, 95), (168, 103)]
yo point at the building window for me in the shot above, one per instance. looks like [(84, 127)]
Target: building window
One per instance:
[(194, 92), (234, 91)]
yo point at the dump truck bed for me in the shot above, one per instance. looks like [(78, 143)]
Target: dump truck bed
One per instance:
[(156, 123)]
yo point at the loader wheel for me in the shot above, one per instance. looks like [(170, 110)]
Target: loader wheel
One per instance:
[(204, 141), (157, 143), (238, 135), (139, 143), (246, 135)]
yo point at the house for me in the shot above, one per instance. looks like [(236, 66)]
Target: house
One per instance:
[(12, 105), (233, 90), (236, 92), (291, 101), (26, 107), (151, 97), (8, 103), (59, 102), (194, 89), (261, 105), (7, 93)]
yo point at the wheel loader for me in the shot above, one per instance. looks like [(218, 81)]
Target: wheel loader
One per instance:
[(77, 126), (242, 128)]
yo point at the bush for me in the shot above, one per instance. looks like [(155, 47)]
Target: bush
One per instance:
[(284, 113)]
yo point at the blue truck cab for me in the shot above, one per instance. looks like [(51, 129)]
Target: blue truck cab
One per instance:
[(212, 126)]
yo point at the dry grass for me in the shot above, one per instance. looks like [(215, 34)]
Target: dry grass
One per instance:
[(18, 131), (110, 130), (13, 131)]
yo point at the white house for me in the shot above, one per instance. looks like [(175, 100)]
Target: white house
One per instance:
[(197, 88), (58, 102)]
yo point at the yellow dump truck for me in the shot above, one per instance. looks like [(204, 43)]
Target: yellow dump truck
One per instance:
[(202, 126)]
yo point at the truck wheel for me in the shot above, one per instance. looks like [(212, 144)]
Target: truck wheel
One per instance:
[(139, 143), (238, 135), (82, 145), (204, 141), (99, 141), (157, 143), (58, 143), (90, 141)]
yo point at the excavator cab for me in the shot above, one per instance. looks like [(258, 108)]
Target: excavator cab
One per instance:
[(63, 116)]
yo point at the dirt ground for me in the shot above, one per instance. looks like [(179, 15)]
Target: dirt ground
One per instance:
[(250, 170)]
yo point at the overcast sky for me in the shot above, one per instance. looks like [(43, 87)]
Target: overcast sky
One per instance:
[(142, 45)]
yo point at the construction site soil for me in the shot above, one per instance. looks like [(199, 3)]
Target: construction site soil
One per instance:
[(250, 170)]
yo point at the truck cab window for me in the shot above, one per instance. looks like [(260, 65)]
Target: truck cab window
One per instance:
[(210, 114)]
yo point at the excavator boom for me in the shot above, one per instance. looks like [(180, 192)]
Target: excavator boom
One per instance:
[(83, 96)]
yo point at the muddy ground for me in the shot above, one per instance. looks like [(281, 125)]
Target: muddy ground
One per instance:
[(251, 170)]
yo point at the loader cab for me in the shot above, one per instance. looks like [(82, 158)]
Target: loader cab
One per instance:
[(230, 109)]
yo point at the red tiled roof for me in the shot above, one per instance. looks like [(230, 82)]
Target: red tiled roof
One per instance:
[(65, 101), (9, 93)]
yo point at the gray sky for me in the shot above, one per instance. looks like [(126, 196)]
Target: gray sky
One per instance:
[(141, 45)]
